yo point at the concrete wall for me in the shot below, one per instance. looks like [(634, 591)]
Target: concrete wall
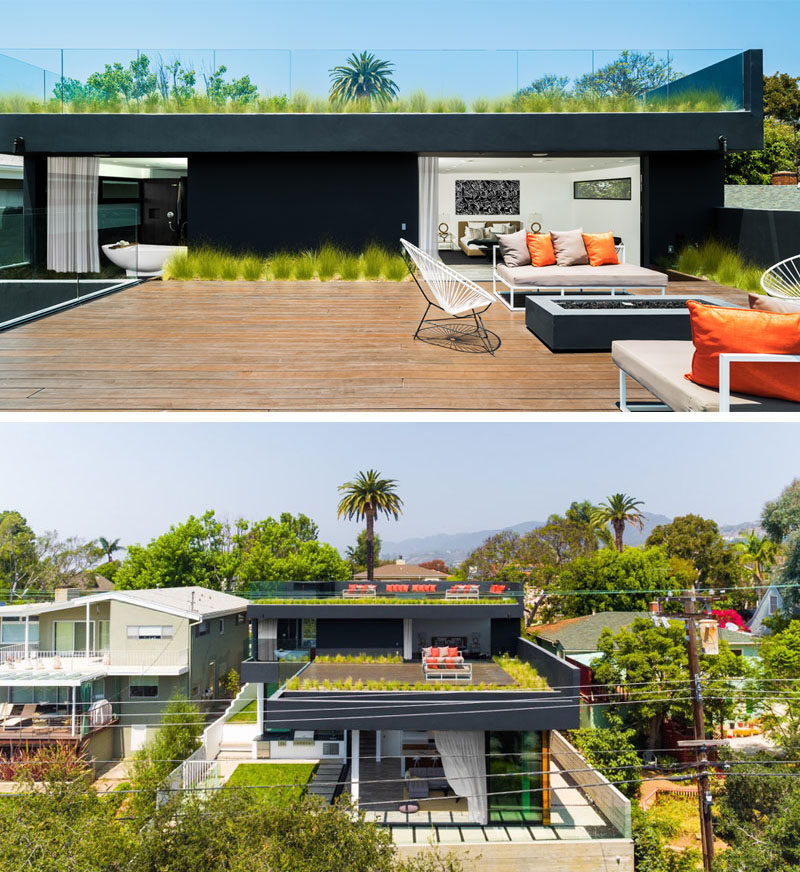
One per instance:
[(595, 855), (226, 649)]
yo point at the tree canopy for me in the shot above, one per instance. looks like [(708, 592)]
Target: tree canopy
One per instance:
[(782, 97), (757, 167)]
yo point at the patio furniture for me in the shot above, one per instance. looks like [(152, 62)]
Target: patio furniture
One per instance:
[(24, 718), (445, 664), (463, 591), (418, 789), (456, 295), (783, 279), (408, 807), (423, 588), (563, 280), (360, 591), (660, 367)]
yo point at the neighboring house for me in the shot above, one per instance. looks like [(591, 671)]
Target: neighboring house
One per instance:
[(475, 760), (402, 571), (81, 584), (576, 641), (97, 671), (770, 603)]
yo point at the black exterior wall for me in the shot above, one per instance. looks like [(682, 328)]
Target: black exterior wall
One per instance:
[(764, 236), (268, 202), (679, 195), (357, 635)]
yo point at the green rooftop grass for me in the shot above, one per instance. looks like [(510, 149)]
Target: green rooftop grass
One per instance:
[(263, 775), (248, 715), (721, 263), (382, 600)]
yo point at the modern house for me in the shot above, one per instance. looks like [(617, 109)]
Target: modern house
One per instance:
[(264, 181), (434, 715), (97, 670), (400, 571), (575, 640)]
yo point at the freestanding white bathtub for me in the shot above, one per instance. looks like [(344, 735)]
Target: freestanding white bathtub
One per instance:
[(141, 260)]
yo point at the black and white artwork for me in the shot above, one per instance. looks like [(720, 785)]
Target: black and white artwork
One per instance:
[(487, 196)]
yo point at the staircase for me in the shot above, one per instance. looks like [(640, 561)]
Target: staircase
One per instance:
[(328, 780)]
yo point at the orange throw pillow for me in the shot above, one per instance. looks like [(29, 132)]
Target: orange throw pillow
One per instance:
[(600, 248), (718, 331), (540, 245)]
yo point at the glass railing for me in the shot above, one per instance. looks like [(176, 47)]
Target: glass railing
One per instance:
[(50, 259), (334, 592), (407, 80)]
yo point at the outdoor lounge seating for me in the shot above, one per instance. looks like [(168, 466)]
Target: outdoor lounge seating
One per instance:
[(463, 591), (460, 298), (783, 279), (355, 591), (445, 664), (423, 588), (397, 588), (660, 367), (522, 280), (22, 716)]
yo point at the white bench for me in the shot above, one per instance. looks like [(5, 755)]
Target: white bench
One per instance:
[(463, 591), (660, 367), (364, 591)]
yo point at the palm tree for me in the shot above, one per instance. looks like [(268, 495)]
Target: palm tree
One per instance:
[(758, 554), (619, 510), (108, 547), (363, 77), (364, 497)]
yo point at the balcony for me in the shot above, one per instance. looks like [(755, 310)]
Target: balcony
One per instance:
[(18, 663)]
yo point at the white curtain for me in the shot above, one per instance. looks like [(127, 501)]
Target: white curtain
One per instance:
[(463, 756), (428, 171), (72, 214)]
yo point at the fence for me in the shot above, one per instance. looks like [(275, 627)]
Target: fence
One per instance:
[(196, 770), (614, 806)]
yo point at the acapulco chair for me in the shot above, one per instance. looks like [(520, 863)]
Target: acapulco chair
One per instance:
[(783, 279), (456, 295)]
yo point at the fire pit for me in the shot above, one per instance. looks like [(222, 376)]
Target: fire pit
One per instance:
[(592, 323)]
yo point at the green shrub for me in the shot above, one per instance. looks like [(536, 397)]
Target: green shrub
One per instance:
[(178, 268), (207, 264), (328, 261), (305, 266), (480, 104), (396, 269), (350, 268), (229, 268), (373, 259), (252, 268), (720, 262), (281, 266)]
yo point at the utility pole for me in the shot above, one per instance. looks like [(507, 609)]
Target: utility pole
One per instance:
[(703, 791), (689, 601)]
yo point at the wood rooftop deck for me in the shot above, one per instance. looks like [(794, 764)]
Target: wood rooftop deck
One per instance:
[(204, 346)]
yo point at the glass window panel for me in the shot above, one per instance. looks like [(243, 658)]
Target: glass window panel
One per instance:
[(11, 633), (602, 189), (514, 777), (141, 687), (309, 632), (64, 636), (105, 635), (80, 636), (119, 189)]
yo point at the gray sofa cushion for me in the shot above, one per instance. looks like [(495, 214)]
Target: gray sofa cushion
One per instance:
[(618, 275), (569, 247), (660, 366), (514, 248), (776, 305)]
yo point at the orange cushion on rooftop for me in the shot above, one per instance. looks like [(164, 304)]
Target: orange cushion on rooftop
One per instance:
[(600, 248), (452, 652), (718, 331), (540, 245)]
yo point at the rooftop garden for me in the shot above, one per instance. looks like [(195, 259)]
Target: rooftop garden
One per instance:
[(719, 262), (524, 676), (382, 600), (363, 83), (328, 263), (282, 783)]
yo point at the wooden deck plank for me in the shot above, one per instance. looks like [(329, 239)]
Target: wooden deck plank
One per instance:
[(274, 346)]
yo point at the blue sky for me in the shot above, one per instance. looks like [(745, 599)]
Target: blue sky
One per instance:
[(133, 480), (332, 27)]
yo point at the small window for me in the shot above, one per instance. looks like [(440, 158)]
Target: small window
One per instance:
[(119, 189), (240, 619), (222, 626), (602, 189), (202, 628), (148, 631), (773, 603), (142, 688)]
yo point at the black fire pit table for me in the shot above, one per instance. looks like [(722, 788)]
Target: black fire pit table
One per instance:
[(592, 323)]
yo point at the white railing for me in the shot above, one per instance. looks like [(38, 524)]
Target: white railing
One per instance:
[(196, 771), (16, 657), (214, 733)]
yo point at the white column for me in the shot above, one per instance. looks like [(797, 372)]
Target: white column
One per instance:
[(354, 766), (377, 746), (73, 710), (260, 706), (26, 636), (407, 653), (88, 624)]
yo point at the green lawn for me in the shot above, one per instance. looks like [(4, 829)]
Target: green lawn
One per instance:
[(257, 775), (248, 715)]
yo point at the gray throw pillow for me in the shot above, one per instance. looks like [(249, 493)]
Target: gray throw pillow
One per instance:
[(772, 304), (514, 248), (569, 248)]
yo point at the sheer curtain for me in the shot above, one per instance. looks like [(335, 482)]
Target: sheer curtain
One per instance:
[(464, 760), (72, 214), (428, 171)]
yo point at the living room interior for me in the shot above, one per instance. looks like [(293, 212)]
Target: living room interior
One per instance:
[(479, 197)]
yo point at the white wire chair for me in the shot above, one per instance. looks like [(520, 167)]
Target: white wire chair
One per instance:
[(456, 295), (783, 279)]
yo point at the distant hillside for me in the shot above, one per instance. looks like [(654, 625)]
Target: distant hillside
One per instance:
[(453, 548)]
